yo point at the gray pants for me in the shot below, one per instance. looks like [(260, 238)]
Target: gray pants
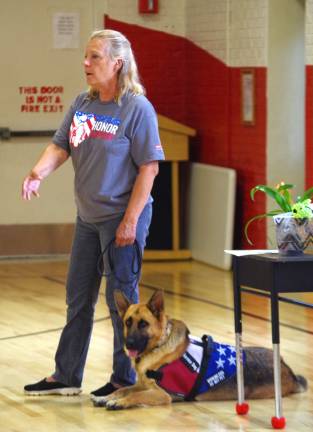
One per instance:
[(82, 290)]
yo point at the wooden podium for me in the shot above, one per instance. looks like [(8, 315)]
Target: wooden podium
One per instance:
[(175, 142)]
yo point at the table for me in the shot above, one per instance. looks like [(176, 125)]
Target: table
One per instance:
[(268, 274)]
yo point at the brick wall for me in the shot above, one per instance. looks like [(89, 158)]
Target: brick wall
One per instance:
[(247, 154), (247, 33), (191, 86), (196, 80), (234, 32), (206, 26), (309, 126), (162, 66), (309, 31), (247, 36), (171, 17)]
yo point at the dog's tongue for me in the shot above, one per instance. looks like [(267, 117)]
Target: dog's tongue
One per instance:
[(132, 353)]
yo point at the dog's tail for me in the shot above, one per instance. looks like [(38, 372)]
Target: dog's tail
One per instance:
[(302, 384)]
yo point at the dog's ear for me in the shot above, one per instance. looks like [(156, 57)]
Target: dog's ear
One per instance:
[(156, 303), (122, 302)]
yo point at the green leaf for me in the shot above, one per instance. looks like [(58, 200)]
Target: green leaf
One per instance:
[(284, 186), (262, 188), (270, 213), (306, 195), (283, 189), (273, 193)]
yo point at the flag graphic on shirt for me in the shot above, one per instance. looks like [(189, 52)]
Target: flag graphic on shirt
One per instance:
[(81, 127), (85, 125)]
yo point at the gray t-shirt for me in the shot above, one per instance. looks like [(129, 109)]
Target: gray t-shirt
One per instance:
[(108, 143)]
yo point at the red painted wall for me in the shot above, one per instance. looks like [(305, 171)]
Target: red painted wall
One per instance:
[(161, 62), (247, 155), (189, 85), (309, 126)]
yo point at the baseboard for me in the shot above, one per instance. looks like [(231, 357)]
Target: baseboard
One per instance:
[(37, 239), (56, 239)]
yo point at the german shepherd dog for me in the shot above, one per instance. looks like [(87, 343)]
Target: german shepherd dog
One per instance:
[(158, 345)]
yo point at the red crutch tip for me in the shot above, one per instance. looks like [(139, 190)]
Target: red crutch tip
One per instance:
[(278, 422), (242, 408)]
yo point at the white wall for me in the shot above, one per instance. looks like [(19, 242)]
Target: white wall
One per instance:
[(309, 32), (247, 33), (28, 58), (234, 31), (286, 83), (171, 17), (206, 25), (56, 202)]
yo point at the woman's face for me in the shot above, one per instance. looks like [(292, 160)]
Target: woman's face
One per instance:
[(100, 70)]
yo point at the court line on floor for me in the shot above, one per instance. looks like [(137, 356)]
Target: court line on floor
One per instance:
[(45, 331), (153, 287)]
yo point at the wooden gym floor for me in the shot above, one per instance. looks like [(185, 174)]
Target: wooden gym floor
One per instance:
[(32, 312)]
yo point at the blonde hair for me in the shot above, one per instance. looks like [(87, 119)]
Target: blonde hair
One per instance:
[(118, 47)]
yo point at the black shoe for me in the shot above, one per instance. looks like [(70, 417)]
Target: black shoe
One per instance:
[(44, 387), (100, 393)]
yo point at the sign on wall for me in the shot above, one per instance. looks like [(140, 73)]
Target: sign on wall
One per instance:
[(42, 61), (66, 30), (43, 99)]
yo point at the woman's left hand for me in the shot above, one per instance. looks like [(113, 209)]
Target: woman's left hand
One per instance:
[(125, 233)]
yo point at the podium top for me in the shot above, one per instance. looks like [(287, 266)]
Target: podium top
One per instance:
[(165, 123)]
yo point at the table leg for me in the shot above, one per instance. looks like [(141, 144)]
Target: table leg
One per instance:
[(278, 421), (241, 407), (240, 379)]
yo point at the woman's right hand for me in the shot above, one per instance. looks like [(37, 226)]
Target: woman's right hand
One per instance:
[(31, 186)]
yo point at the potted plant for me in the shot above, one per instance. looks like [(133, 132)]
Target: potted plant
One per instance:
[(293, 219)]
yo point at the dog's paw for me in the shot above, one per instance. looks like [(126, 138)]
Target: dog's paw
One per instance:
[(99, 403), (114, 404), (102, 401)]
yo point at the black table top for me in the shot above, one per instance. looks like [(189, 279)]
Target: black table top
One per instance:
[(277, 257), (275, 272)]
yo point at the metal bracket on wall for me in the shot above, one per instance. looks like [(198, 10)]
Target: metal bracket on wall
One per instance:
[(6, 133)]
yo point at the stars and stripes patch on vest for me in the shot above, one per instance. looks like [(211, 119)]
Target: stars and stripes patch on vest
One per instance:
[(188, 375)]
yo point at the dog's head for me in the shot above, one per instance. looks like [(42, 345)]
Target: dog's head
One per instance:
[(144, 323)]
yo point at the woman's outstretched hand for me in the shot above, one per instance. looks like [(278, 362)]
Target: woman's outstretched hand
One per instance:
[(31, 186)]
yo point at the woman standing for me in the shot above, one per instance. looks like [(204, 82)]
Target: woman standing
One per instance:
[(111, 134)]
